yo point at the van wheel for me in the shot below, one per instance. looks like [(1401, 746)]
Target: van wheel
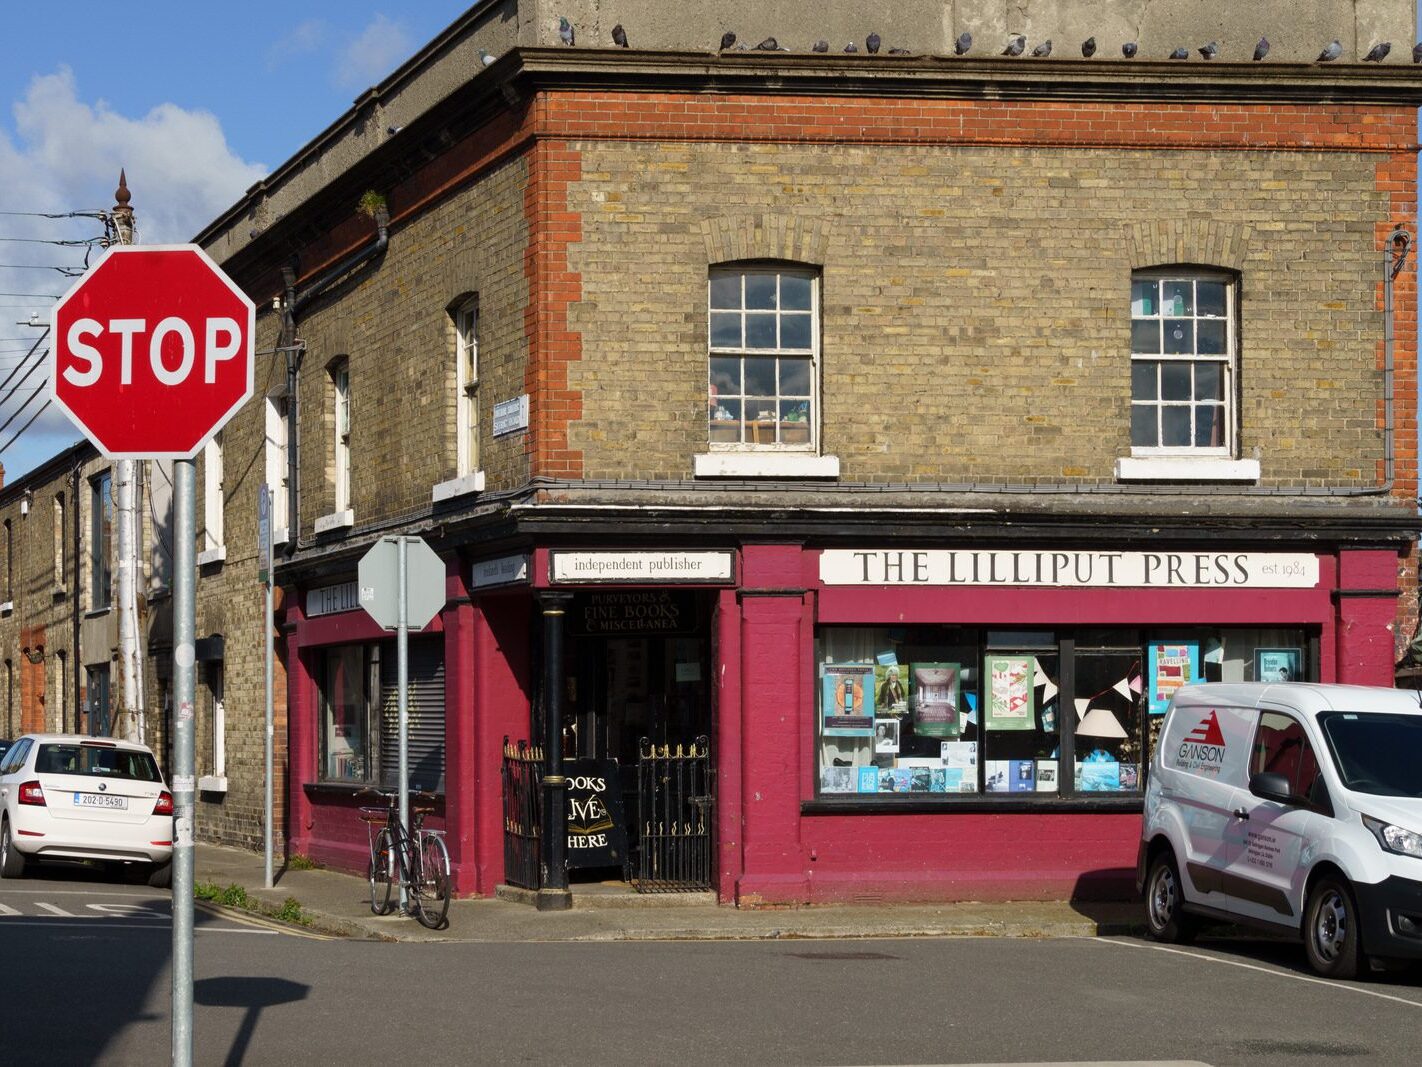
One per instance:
[(12, 864), (1331, 936), (1166, 919)]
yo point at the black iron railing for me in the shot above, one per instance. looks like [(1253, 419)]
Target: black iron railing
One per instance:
[(674, 790), (523, 812)]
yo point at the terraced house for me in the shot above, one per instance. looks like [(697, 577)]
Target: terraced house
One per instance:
[(838, 454)]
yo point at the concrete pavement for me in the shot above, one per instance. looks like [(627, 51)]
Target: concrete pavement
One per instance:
[(340, 904)]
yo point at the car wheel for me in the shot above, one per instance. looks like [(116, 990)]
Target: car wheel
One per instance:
[(1331, 936), (161, 875), (12, 863), (1165, 918)]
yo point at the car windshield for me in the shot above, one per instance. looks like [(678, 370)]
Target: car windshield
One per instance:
[(95, 760), (1376, 753)]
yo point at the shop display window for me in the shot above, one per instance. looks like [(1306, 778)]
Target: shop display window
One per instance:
[(346, 683), (935, 712)]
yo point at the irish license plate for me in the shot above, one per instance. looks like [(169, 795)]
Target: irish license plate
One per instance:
[(99, 800)]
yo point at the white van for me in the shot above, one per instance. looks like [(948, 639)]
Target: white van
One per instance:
[(1289, 806)]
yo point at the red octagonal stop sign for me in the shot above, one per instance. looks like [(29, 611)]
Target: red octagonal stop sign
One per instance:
[(152, 351)]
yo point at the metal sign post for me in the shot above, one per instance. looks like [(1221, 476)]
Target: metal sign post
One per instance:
[(402, 584), (184, 656), (264, 575)]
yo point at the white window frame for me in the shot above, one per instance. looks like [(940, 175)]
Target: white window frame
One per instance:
[(341, 389), (1227, 362), (744, 352), (466, 385), (60, 576), (276, 461), (213, 503)]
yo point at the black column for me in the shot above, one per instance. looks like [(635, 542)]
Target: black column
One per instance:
[(553, 894)]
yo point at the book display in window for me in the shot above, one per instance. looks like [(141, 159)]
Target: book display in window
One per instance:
[(1170, 665), (1011, 687), (934, 694)]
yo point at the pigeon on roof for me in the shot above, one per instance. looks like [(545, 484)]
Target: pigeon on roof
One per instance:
[(1417, 52), (565, 31), (871, 44), (1211, 50), (1378, 52), (851, 47), (1180, 53), (728, 40), (485, 58), (1015, 44), (820, 46), (1129, 49), (1088, 48), (770, 44), (1333, 50), (962, 44), (619, 36), (1043, 50), (1261, 49)]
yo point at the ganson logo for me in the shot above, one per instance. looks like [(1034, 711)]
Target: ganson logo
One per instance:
[(1203, 748)]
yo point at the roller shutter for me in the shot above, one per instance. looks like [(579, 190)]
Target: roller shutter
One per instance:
[(426, 710)]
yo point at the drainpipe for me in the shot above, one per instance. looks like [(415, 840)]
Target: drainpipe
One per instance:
[(292, 304), (76, 659), (1394, 256)]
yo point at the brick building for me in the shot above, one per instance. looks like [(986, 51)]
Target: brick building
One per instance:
[(905, 425)]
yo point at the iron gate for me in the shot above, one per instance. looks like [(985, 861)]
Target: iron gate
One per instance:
[(674, 800), (523, 813)]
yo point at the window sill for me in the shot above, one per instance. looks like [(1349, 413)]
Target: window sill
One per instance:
[(339, 520), (765, 465), (945, 803), (1186, 469), (7, 607), (456, 487), (163, 592), (98, 613), (280, 535), (208, 556), (212, 783)]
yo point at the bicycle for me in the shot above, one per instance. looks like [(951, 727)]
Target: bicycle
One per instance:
[(416, 859)]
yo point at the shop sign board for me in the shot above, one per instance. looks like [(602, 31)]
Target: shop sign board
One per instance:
[(597, 830), (1045, 567), (633, 613), (502, 570), (714, 567), (332, 599)]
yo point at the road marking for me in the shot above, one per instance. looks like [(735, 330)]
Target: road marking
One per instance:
[(126, 911), (1263, 970), (55, 910), (76, 893), (5, 909), (95, 924)]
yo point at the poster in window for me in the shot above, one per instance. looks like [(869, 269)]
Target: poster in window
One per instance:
[(1278, 664), (886, 735), (847, 696), (890, 690), (1172, 664), (1010, 704), (838, 779), (933, 692)]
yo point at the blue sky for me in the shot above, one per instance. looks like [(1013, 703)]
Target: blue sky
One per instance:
[(196, 100)]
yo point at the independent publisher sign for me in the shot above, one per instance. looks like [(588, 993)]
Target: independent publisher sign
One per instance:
[(1147, 570)]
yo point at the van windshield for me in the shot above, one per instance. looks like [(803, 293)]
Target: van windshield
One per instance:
[(1376, 753)]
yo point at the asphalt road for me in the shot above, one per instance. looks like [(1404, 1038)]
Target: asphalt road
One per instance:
[(86, 980)]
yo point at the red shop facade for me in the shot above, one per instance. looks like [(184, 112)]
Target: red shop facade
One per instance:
[(885, 721)]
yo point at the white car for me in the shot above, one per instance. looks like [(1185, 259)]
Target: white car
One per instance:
[(71, 797)]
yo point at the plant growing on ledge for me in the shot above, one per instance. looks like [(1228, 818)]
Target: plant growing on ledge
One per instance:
[(371, 203)]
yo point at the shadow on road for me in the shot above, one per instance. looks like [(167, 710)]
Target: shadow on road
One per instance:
[(252, 994)]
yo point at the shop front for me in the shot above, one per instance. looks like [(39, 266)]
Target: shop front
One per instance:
[(972, 723)]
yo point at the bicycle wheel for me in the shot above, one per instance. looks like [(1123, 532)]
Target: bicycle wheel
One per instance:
[(381, 873), (429, 896)]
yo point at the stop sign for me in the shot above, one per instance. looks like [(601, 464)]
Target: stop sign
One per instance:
[(152, 351)]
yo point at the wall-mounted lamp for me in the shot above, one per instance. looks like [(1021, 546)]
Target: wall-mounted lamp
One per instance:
[(26, 501), (34, 655)]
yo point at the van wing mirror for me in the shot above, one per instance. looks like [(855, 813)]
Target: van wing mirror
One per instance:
[(1269, 785)]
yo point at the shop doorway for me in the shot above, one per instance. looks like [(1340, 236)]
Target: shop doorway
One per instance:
[(639, 706)]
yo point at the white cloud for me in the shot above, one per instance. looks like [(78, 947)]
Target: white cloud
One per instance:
[(65, 156), (379, 49), (303, 39)]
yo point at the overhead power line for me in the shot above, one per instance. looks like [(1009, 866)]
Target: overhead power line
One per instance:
[(43, 407), (28, 401), (34, 348), (70, 271), (78, 242), (86, 213)]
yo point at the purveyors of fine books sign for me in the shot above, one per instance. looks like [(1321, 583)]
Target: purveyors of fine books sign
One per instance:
[(1256, 570)]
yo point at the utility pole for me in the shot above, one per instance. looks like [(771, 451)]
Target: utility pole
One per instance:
[(125, 482)]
